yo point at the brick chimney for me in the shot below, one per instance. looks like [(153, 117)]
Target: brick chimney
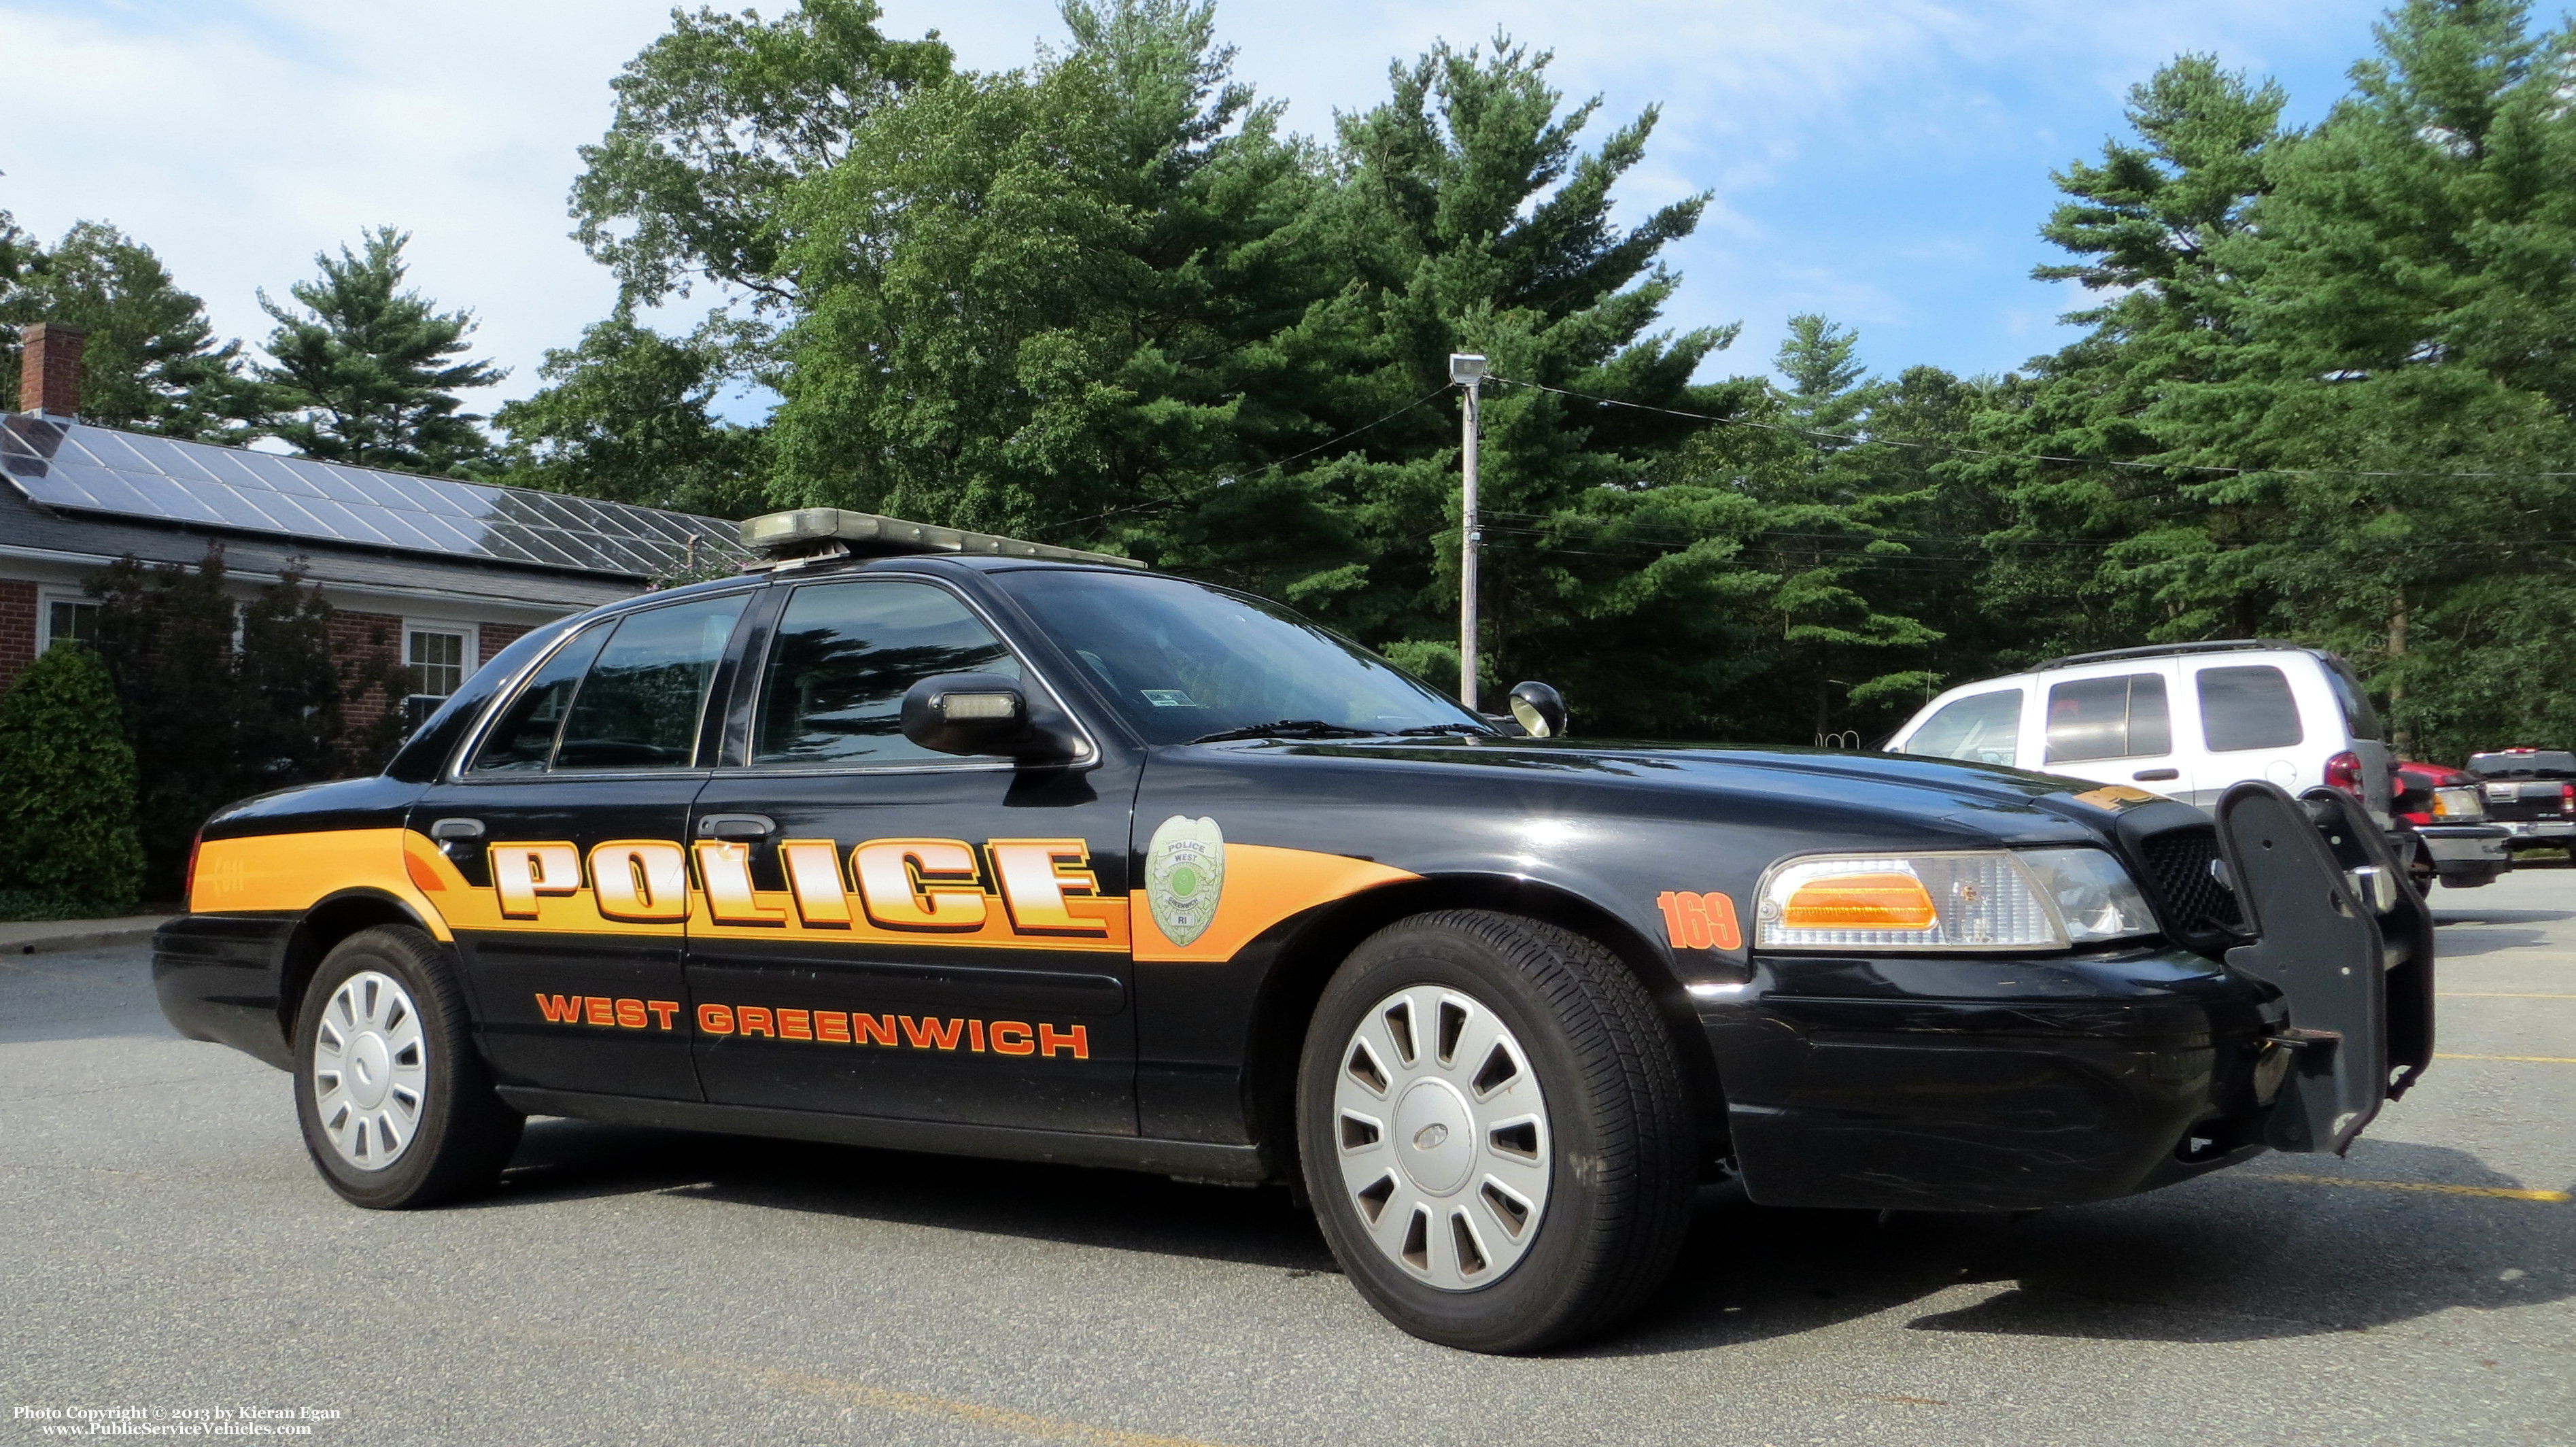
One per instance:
[(49, 369)]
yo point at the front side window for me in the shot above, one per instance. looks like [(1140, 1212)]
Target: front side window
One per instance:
[(2108, 718), (1181, 661), (2248, 707), (845, 655), (1982, 728)]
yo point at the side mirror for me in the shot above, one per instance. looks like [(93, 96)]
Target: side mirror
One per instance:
[(985, 714), (1538, 709)]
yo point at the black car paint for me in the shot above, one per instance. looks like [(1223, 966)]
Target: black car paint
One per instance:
[(1961, 1082)]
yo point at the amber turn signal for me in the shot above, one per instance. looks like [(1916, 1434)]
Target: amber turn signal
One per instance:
[(1881, 900)]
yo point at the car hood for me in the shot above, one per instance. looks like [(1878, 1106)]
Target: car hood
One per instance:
[(2007, 804)]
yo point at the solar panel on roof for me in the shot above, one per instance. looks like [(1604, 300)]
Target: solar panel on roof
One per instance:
[(99, 469)]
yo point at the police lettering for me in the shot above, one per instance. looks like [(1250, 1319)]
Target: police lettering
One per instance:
[(909, 1032), (928, 887)]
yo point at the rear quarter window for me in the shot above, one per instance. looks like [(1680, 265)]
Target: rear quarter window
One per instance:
[(1983, 728), (2248, 706)]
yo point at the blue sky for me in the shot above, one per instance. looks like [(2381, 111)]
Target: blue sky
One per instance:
[(1884, 162)]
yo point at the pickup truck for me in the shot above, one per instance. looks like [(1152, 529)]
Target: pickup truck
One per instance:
[(2531, 792)]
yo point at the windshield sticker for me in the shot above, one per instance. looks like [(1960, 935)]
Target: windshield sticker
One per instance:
[(1168, 698), (1184, 875)]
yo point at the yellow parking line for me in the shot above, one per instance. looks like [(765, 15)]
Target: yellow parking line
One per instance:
[(858, 1394), (2510, 1195), (2527, 1059), (2495, 995)]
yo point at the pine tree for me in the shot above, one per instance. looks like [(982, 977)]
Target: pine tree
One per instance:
[(67, 794), (2092, 554), (368, 372), (151, 362), (2401, 372)]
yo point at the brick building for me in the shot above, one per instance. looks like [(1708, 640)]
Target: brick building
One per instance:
[(433, 573)]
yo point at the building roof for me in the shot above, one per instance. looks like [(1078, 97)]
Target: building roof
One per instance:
[(144, 491)]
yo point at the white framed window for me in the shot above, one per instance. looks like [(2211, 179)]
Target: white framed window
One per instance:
[(66, 618), (437, 657)]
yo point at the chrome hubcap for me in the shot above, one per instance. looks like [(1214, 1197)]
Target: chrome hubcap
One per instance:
[(370, 1070), (1443, 1135)]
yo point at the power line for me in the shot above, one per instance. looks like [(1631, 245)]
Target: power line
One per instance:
[(1814, 433)]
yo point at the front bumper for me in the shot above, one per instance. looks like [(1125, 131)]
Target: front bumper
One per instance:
[(2002, 1083), (2466, 844), (1991, 1084)]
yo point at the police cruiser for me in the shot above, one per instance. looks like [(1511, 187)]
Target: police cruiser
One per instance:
[(933, 841)]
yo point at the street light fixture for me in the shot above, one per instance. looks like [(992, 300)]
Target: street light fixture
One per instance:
[(1467, 369)]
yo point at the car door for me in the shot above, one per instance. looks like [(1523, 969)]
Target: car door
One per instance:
[(566, 820), (895, 932), (2113, 725)]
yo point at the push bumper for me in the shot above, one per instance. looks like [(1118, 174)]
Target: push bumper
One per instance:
[(1955, 1084), (2005, 1084)]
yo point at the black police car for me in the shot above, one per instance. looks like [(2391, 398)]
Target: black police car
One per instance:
[(938, 842)]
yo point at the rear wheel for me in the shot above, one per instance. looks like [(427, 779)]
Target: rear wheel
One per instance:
[(1494, 1131), (397, 1108)]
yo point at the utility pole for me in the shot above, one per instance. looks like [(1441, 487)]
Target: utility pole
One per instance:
[(1467, 369)]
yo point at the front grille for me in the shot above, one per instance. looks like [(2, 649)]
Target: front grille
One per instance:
[(2195, 901)]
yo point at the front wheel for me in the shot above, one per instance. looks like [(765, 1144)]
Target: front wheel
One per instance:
[(397, 1108), (1494, 1131)]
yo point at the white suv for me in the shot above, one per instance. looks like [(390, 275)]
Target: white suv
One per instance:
[(2185, 720)]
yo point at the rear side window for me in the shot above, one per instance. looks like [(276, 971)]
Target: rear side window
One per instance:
[(1982, 728), (2248, 707), (2109, 718), (846, 654), (524, 740), (638, 708)]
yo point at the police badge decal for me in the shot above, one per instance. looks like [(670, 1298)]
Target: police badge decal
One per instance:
[(1184, 874)]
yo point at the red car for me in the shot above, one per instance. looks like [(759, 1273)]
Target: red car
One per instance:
[(2445, 809)]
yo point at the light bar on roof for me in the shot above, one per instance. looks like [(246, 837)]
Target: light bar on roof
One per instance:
[(867, 534)]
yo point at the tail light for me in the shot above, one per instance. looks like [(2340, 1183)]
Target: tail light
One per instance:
[(2343, 771), (2567, 798), (188, 891)]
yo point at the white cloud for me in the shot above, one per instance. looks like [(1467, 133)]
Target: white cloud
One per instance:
[(239, 138)]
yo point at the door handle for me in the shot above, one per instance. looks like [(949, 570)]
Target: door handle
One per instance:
[(446, 829), (736, 826), (2155, 776)]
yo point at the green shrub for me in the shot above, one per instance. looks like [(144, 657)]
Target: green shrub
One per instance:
[(67, 842)]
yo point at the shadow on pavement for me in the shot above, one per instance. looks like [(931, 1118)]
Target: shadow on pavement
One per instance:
[(2231, 1257), (1115, 1210)]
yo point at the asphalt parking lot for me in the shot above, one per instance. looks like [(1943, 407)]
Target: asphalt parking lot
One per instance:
[(168, 1247)]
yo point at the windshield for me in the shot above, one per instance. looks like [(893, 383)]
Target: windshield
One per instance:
[(1181, 661)]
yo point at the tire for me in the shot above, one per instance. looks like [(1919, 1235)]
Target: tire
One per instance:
[(397, 1106), (1601, 1162)]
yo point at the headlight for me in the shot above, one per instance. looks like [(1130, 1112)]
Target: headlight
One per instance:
[(2458, 804), (1988, 900)]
